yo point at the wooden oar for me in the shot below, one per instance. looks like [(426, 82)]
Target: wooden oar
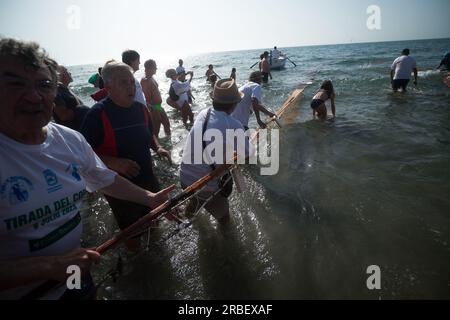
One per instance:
[(254, 65), (291, 61)]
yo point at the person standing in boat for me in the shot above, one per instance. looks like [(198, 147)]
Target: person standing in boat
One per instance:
[(265, 68), (325, 93), (251, 102), (275, 53), (401, 71)]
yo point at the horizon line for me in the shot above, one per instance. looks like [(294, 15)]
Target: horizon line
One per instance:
[(288, 47)]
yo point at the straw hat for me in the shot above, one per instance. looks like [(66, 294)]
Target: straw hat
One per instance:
[(226, 92)]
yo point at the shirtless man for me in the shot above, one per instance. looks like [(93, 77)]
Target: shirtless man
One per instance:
[(154, 100), (265, 68)]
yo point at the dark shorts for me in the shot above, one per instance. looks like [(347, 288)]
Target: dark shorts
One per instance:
[(265, 76), (127, 213), (400, 83), (316, 103)]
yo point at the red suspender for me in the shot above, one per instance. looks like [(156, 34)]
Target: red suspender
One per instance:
[(145, 115), (109, 146)]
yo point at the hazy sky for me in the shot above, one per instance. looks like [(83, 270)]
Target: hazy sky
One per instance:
[(96, 30)]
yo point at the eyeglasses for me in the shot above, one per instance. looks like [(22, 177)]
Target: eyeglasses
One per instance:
[(19, 84)]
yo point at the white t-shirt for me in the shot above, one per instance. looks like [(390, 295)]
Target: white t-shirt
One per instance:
[(41, 188), (139, 97), (193, 150), (244, 109), (275, 54), (181, 89), (403, 67)]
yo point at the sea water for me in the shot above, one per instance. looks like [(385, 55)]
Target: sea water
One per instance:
[(370, 187)]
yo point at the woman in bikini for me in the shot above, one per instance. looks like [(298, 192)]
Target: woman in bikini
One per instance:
[(318, 102)]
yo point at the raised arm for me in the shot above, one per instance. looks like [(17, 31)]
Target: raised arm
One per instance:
[(191, 74)]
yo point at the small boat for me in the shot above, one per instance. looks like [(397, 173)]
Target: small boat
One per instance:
[(278, 63)]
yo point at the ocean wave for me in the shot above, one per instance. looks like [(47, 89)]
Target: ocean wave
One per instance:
[(428, 73)]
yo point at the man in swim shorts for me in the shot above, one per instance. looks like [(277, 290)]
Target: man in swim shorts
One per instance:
[(154, 100)]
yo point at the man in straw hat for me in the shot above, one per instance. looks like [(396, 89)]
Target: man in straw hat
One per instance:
[(252, 101), (207, 146)]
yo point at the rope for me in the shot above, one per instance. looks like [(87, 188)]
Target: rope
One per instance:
[(118, 270)]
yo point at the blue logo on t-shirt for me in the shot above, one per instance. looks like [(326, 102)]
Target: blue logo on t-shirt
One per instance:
[(73, 169), (52, 181), (16, 189)]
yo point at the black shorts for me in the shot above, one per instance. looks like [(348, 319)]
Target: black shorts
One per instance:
[(400, 83), (265, 76), (126, 212), (316, 103)]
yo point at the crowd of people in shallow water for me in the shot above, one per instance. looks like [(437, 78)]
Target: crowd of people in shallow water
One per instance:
[(54, 149)]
